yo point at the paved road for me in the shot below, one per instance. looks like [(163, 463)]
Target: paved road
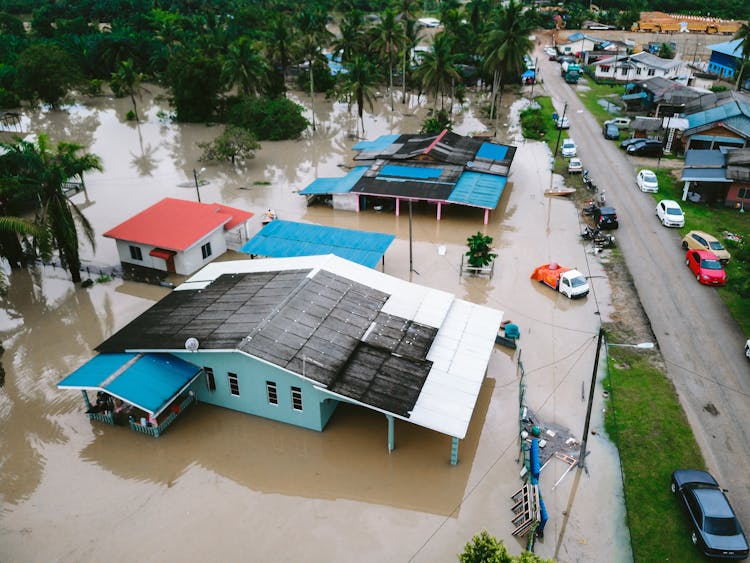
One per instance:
[(701, 344)]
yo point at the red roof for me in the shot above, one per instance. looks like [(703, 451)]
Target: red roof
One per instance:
[(177, 224)]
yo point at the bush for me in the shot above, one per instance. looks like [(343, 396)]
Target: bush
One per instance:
[(8, 99), (93, 87), (533, 123), (436, 122), (324, 81), (268, 119)]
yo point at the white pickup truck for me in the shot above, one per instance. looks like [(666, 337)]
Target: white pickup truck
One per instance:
[(570, 282)]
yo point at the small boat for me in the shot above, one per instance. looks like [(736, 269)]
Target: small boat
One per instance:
[(559, 191), (268, 216)]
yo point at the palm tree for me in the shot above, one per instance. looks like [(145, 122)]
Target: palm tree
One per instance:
[(314, 36), (352, 40), (244, 67), (389, 38), (359, 82), (10, 229), (505, 46), (279, 42), (43, 173), (128, 81), (743, 34), (411, 34), (438, 71)]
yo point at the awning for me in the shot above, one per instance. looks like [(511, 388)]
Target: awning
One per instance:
[(704, 175), (638, 96), (162, 253), (148, 381)]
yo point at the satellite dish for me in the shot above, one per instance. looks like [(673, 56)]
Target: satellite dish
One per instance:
[(191, 344)]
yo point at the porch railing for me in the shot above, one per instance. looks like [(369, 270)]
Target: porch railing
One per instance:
[(156, 431)]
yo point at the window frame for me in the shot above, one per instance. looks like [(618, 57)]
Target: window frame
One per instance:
[(206, 250), (297, 403), (136, 253), (210, 378), (272, 393), (234, 384)]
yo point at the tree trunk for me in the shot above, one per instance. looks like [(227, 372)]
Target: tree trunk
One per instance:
[(390, 71), (135, 108), (739, 75), (403, 78), (312, 94)]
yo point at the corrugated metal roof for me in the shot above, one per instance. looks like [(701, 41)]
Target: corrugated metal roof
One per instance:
[(719, 113), (480, 190), (380, 143), (424, 352), (280, 239), (177, 224), (148, 381), (341, 185), (704, 175), (702, 158), (732, 48)]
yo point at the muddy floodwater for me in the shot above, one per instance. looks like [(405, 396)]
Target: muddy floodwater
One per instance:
[(221, 485)]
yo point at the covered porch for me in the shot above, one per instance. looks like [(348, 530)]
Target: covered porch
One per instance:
[(146, 392)]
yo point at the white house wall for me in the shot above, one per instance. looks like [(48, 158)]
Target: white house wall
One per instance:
[(632, 74)]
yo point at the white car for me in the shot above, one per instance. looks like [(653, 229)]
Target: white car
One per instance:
[(670, 213), (647, 182), (620, 122), (747, 349), (569, 148), (563, 123), (575, 166)]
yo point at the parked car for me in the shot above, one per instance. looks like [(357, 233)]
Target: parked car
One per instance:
[(611, 131), (563, 123), (605, 218), (703, 241), (550, 51), (649, 147), (631, 141), (706, 267), (619, 122), (747, 349), (575, 166), (646, 181), (568, 148), (716, 531), (670, 213)]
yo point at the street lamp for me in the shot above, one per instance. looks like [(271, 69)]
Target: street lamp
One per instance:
[(197, 186)]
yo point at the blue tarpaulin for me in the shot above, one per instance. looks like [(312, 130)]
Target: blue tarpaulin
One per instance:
[(282, 239), (376, 145), (491, 151), (341, 185), (421, 173), (148, 381)]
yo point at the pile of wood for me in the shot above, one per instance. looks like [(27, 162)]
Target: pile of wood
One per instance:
[(659, 22)]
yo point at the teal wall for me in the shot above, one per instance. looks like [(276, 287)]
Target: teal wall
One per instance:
[(252, 375)]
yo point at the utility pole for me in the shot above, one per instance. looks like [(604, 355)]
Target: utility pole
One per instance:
[(582, 454), (559, 129)]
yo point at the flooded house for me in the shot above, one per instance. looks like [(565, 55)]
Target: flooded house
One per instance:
[(177, 236), (439, 169), (289, 339)]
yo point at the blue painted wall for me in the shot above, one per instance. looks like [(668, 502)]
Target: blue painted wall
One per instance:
[(252, 375)]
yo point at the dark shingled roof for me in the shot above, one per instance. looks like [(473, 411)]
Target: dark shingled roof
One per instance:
[(325, 327)]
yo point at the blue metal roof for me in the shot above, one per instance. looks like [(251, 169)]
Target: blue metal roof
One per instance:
[(281, 239), (376, 145), (703, 158), (637, 96), (731, 48), (341, 185), (148, 381), (480, 190), (704, 175), (402, 171), (718, 113), (491, 151)]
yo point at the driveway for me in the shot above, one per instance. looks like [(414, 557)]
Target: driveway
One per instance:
[(701, 343)]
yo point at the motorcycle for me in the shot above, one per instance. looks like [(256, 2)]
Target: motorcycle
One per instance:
[(590, 209), (604, 241), (588, 182), (602, 198), (590, 233)]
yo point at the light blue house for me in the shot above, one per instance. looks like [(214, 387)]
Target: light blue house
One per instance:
[(289, 339), (726, 60)]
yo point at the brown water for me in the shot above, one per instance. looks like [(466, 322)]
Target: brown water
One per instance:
[(223, 485)]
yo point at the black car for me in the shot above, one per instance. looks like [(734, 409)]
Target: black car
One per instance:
[(605, 218), (649, 147), (631, 141), (716, 530)]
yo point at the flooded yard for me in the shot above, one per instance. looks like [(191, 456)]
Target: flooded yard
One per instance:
[(224, 485)]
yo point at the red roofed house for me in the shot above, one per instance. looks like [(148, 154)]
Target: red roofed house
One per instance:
[(179, 236)]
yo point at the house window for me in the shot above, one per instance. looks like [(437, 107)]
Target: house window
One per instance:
[(605, 68), (135, 253), (234, 385), (273, 397), (206, 250), (210, 381), (743, 193), (297, 398), (651, 72), (623, 71), (638, 71)]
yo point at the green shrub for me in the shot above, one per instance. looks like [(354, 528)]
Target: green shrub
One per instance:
[(324, 81), (533, 123), (268, 119), (8, 99), (436, 122)]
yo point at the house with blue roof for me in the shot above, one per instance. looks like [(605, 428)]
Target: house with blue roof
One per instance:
[(578, 44), (440, 169), (718, 120), (289, 339), (726, 60)]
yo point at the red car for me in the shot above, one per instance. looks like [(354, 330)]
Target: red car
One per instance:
[(706, 267)]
